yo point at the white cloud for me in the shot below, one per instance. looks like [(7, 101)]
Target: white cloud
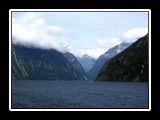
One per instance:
[(103, 43), (95, 53), (28, 17), (58, 30), (69, 48), (106, 43), (39, 21), (133, 34), (54, 28), (30, 30)]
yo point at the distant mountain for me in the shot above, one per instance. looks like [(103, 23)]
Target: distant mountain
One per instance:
[(93, 72), (129, 65), (73, 60), (40, 64), (86, 61)]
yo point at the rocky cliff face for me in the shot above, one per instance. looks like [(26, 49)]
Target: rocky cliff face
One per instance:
[(39, 64), (130, 65)]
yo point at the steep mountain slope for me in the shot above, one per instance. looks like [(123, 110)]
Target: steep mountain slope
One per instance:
[(93, 72), (39, 64), (130, 65), (72, 59), (86, 61)]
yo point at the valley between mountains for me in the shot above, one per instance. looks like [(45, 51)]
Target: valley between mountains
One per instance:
[(124, 62)]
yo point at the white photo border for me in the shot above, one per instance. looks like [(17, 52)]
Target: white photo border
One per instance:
[(78, 10)]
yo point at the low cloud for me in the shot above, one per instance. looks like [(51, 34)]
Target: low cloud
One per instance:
[(104, 44), (95, 53), (29, 29), (133, 34), (39, 21), (107, 42)]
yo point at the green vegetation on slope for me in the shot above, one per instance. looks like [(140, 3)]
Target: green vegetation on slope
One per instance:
[(130, 65)]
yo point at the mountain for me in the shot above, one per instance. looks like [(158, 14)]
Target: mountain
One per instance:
[(72, 59), (129, 65), (93, 72), (86, 61), (39, 64)]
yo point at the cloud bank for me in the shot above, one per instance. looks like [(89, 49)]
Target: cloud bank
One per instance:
[(95, 53), (104, 44), (30, 29), (133, 34)]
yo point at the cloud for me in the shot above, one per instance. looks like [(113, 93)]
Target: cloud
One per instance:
[(103, 45), (106, 43), (39, 21), (28, 17), (95, 53), (30, 29), (60, 31), (69, 48), (133, 34)]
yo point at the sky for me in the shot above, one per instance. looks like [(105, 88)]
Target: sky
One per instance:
[(80, 33)]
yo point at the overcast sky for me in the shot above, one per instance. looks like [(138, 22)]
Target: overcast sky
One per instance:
[(91, 33)]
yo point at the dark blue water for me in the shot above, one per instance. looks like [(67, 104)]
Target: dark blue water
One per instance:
[(78, 94)]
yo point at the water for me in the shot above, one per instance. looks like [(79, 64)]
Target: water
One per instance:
[(78, 94)]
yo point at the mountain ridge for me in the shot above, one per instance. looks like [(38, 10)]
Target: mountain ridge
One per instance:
[(129, 65), (93, 72), (39, 64), (86, 61)]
